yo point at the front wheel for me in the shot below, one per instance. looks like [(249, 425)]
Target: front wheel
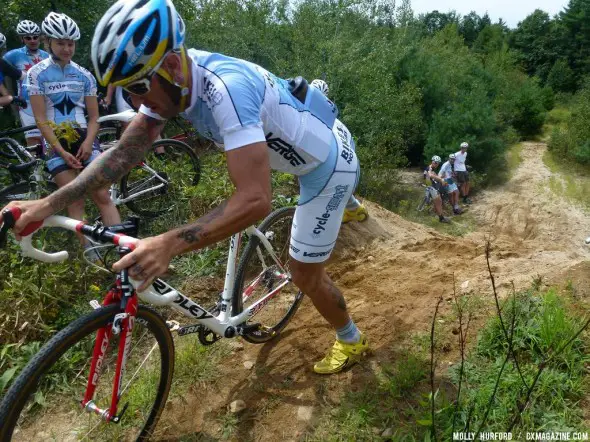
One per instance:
[(258, 276), (43, 403), (164, 182)]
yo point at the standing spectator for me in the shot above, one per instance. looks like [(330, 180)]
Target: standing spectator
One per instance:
[(60, 90), (461, 172), (447, 173), (23, 59), (5, 97)]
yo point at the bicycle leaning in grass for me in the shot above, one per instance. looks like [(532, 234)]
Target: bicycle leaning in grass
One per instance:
[(160, 184), (107, 375)]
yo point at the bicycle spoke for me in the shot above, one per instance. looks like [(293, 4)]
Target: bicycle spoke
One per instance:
[(61, 416)]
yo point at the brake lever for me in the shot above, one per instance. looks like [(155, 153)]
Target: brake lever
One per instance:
[(8, 223)]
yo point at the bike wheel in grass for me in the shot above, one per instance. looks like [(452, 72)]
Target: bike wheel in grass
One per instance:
[(25, 191), (9, 150), (43, 403), (164, 183), (107, 137), (258, 275)]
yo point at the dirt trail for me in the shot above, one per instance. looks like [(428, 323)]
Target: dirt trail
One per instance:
[(391, 271)]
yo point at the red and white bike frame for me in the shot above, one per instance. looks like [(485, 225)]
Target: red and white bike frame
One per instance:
[(159, 293)]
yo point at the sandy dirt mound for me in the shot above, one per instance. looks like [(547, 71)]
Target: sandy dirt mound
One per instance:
[(392, 272)]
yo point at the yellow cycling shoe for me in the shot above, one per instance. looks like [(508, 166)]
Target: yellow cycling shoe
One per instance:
[(342, 356), (359, 214)]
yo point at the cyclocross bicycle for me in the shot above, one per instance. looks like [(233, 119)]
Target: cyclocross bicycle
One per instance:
[(123, 351)]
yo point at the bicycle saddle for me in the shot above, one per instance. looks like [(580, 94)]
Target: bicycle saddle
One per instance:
[(124, 117)]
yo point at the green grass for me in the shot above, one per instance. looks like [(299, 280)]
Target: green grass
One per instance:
[(556, 118), (229, 424), (397, 395), (514, 157), (196, 364), (571, 180), (407, 205)]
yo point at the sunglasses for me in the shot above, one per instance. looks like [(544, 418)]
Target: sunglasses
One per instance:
[(31, 38), (144, 85)]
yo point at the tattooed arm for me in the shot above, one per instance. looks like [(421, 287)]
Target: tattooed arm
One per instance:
[(106, 169), (112, 165), (249, 170)]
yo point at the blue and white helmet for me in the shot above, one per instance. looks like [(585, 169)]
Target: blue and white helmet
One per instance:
[(27, 27), (132, 39), (436, 159), (321, 85)]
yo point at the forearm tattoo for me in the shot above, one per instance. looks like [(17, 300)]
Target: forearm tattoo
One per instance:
[(197, 231), (108, 168)]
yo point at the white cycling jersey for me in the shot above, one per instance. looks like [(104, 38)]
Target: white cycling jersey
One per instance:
[(460, 159), (64, 90), (446, 170), (236, 103)]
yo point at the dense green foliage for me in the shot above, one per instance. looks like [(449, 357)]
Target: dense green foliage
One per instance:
[(406, 86), (571, 140), (556, 50)]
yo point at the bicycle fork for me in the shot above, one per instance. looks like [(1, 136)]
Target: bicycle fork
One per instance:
[(122, 325)]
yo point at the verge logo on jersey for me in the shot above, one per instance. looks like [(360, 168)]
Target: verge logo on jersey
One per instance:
[(285, 149)]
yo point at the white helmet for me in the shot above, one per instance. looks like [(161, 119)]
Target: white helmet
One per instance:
[(321, 85), (464, 145), (2, 41), (436, 159), (27, 27), (60, 26), (452, 156)]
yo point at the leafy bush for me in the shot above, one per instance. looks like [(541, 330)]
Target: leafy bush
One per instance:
[(571, 139)]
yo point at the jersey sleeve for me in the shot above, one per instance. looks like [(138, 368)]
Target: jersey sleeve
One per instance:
[(33, 84), (235, 101), (1, 78), (90, 89), (11, 57)]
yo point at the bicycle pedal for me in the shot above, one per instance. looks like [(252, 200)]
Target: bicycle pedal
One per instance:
[(208, 336), (172, 325)]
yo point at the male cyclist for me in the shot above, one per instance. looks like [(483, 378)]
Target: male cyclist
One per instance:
[(434, 189), (461, 172), (261, 125), (447, 173), (354, 210), (23, 59), (5, 69)]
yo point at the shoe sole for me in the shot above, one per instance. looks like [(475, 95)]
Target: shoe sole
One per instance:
[(347, 364)]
